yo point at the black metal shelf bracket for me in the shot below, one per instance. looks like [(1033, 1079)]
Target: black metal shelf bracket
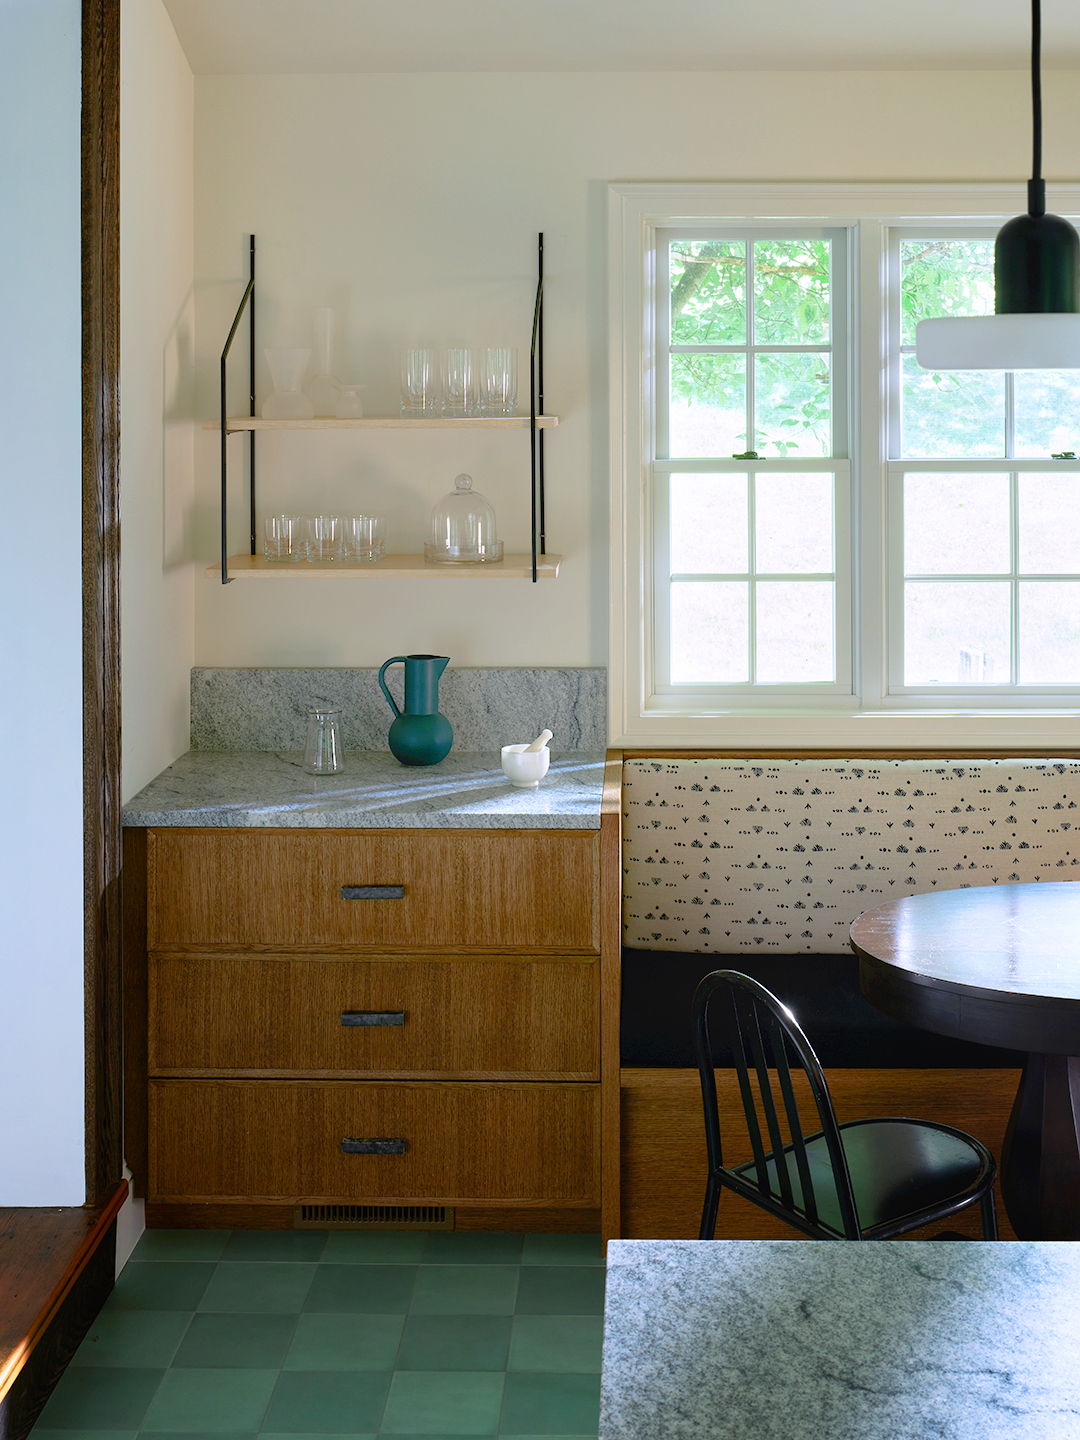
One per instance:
[(249, 295), (536, 407)]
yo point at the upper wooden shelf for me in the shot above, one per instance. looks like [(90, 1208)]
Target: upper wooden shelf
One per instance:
[(390, 567), (386, 422)]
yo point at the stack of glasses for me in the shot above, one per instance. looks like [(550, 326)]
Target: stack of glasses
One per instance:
[(352, 540), (458, 382)]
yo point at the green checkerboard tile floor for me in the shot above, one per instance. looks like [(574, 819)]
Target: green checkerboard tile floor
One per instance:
[(303, 1335)]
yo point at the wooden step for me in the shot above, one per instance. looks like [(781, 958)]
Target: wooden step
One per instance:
[(56, 1270)]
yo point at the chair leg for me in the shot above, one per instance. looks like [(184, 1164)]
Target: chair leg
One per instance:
[(712, 1204), (989, 1215)]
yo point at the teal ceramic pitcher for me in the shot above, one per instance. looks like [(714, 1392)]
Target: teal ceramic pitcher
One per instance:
[(420, 735)]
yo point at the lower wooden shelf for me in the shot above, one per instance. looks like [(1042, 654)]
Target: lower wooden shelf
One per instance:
[(390, 567)]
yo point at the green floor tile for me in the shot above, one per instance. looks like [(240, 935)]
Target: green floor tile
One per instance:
[(133, 1338), (465, 1290), (345, 1342), (361, 1290), (307, 1435), (551, 1405), (211, 1401), (472, 1249), (180, 1245), (276, 1245), (198, 1435), (567, 1343), (160, 1285), (562, 1250), (455, 1342), (560, 1290), (97, 1397), (361, 1249), (40, 1433), (258, 1288), (446, 1402), (235, 1342), (326, 1402)]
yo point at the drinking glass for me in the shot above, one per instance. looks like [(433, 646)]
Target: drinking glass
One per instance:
[(288, 402), (283, 538), (324, 753), (324, 537), (499, 388), (419, 382), (349, 405), (363, 538), (456, 381)]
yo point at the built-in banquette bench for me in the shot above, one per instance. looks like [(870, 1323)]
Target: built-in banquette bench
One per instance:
[(761, 865)]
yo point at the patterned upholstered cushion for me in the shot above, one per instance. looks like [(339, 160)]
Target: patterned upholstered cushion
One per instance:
[(723, 856)]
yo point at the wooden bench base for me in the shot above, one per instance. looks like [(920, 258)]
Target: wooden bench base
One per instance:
[(663, 1141), (57, 1267)]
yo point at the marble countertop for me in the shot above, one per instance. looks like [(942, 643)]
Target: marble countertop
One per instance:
[(241, 789), (791, 1340)]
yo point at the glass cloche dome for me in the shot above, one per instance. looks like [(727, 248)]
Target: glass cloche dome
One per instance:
[(463, 528)]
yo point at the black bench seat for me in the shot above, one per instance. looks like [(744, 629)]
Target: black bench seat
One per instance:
[(822, 991)]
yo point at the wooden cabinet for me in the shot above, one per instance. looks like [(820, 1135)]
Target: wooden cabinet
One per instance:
[(295, 996)]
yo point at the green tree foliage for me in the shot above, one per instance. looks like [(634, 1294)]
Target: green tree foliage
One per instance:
[(789, 282)]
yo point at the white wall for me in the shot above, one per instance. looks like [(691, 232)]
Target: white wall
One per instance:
[(156, 388), (41, 862), (411, 204)]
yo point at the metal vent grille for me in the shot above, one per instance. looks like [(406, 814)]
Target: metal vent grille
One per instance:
[(373, 1217)]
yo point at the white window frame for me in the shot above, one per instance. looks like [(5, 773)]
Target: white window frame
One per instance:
[(873, 717)]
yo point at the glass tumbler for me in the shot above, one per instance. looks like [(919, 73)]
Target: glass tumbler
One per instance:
[(456, 381), (324, 753), (364, 540), (283, 538), (498, 392), (324, 537), (419, 383)]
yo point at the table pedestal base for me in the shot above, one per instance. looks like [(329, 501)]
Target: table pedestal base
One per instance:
[(1040, 1161)]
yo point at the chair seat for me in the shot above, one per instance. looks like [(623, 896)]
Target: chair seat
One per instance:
[(900, 1169)]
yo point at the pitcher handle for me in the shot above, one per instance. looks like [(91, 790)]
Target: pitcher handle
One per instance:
[(394, 660)]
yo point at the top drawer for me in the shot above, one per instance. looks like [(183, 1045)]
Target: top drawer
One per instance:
[(499, 889)]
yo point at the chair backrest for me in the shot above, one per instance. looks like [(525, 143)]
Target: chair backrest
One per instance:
[(765, 1037)]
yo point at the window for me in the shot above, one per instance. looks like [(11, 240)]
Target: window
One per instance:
[(812, 535)]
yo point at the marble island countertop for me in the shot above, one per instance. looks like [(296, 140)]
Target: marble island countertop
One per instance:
[(790, 1340), (243, 789)]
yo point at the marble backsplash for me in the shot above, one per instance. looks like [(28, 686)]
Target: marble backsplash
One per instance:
[(242, 709)]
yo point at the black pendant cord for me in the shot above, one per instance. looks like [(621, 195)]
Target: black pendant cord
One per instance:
[(1036, 185)]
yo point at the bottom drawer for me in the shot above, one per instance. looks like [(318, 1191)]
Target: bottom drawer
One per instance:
[(270, 1140)]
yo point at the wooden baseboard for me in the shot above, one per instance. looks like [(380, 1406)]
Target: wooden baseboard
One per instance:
[(280, 1217), (56, 1271), (663, 1141)]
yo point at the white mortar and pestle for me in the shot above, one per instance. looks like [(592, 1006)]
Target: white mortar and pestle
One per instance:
[(526, 765)]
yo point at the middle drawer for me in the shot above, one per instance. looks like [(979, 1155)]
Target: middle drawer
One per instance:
[(432, 1018)]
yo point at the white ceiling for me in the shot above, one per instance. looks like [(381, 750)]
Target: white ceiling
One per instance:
[(335, 36)]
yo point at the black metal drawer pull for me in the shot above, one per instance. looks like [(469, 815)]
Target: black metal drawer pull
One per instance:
[(373, 892), (373, 1147), (373, 1017)]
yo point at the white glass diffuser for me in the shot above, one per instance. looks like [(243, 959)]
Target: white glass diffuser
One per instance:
[(463, 528)]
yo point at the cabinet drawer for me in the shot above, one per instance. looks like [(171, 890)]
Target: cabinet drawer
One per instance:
[(282, 1141), (465, 1018), (500, 889)]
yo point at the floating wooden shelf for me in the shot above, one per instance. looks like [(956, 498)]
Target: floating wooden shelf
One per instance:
[(390, 567), (386, 422)]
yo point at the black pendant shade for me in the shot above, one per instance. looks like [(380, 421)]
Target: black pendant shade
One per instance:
[(1037, 262)]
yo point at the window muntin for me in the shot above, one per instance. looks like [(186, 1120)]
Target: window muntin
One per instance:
[(748, 550), (977, 573)]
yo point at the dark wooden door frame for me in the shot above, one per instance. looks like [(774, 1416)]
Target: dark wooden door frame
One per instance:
[(101, 590)]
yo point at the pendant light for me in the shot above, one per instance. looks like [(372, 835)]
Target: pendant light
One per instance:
[(1036, 325)]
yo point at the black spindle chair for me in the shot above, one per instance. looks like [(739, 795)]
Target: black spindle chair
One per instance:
[(863, 1180)]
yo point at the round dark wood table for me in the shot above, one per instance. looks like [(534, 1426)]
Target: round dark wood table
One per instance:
[(999, 964)]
